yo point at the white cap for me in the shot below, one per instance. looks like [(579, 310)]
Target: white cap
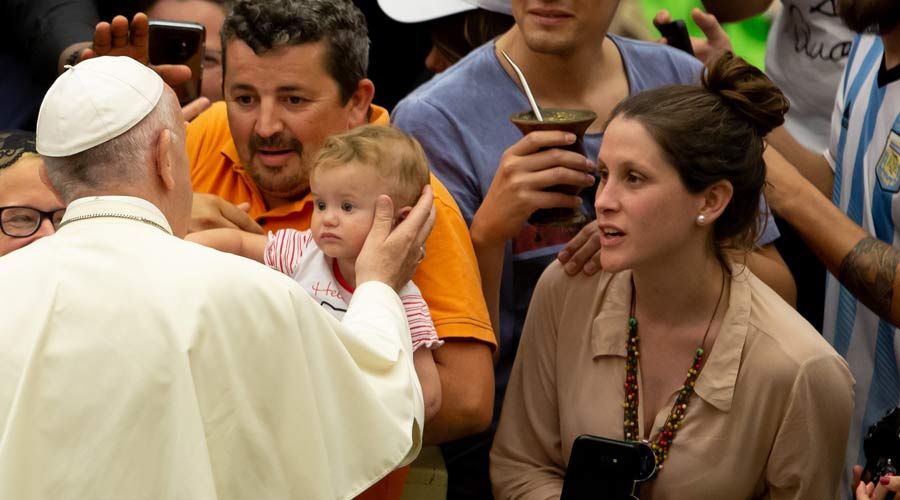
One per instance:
[(416, 11), (93, 102)]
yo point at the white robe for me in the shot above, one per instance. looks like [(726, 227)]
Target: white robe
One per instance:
[(135, 365)]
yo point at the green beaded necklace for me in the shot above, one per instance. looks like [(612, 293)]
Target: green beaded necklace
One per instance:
[(663, 441)]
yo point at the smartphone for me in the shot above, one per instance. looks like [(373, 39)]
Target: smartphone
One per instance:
[(606, 468), (179, 42), (676, 34)]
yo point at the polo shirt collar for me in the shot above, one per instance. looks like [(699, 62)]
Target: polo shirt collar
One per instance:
[(716, 382)]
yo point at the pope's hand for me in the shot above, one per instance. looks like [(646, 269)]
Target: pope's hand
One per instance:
[(392, 255)]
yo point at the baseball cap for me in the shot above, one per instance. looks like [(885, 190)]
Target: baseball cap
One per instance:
[(416, 11), (95, 101)]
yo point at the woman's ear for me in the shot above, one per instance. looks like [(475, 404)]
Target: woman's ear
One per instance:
[(715, 200)]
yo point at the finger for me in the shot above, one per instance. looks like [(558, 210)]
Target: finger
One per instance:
[(384, 219), (894, 484), (245, 206), (85, 55), (715, 34), (421, 216), (555, 157), (140, 34), (861, 493), (662, 17), (535, 141), (239, 218), (575, 243), (119, 30), (558, 175), (173, 74), (194, 108), (583, 255), (857, 473), (102, 39)]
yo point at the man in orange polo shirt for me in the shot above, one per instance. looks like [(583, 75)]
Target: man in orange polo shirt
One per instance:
[(295, 73)]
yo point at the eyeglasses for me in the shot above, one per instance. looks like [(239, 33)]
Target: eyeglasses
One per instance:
[(22, 222)]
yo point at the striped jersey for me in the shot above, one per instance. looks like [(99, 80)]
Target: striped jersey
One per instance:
[(864, 153), (296, 254)]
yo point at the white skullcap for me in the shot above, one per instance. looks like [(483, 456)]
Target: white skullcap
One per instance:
[(93, 102), (415, 11)]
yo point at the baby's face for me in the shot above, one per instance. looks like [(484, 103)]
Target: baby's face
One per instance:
[(344, 207)]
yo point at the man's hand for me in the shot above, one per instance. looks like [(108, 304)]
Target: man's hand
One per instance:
[(526, 169), (582, 253), (210, 211), (716, 42), (194, 108), (118, 38), (391, 256)]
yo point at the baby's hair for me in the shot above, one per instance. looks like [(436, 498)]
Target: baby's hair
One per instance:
[(397, 157)]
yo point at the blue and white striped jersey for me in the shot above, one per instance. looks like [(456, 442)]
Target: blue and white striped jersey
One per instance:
[(864, 152)]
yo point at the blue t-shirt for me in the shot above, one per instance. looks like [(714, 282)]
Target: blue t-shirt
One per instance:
[(461, 117)]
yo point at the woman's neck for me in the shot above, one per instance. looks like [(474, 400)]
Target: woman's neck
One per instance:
[(679, 291)]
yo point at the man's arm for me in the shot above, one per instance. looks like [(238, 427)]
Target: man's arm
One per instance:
[(811, 164), (866, 266), (766, 263), (729, 11), (466, 371)]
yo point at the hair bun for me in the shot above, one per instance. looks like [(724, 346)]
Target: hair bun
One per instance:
[(748, 91)]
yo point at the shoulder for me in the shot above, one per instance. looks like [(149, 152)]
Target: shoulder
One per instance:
[(782, 338), (461, 86), (651, 64)]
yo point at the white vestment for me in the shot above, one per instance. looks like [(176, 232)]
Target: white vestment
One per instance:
[(135, 365)]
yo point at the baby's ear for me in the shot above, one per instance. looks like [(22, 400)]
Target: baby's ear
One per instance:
[(401, 215)]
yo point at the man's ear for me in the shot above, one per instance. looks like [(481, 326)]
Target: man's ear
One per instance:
[(165, 161), (45, 180), (715, 199), (359, 103)]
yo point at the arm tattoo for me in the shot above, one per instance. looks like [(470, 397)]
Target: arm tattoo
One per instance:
[(868, 273)]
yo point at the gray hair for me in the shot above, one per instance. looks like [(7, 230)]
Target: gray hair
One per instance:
[(116, 162), (267, 24)]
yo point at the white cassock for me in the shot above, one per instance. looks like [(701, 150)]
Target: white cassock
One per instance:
[(135, 365)]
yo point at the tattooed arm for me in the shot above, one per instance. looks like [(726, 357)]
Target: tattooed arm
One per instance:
[(866, 266)]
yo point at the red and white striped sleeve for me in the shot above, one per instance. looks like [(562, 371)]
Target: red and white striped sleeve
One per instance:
[(284, 249), (421, 327)]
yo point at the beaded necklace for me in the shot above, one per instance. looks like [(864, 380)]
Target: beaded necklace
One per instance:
[(663, 441)]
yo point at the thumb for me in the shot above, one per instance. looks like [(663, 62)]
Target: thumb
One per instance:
[(711, 28), (662, 17), (384, 217)]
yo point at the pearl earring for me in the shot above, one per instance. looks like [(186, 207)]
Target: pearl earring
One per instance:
[(701, 219)]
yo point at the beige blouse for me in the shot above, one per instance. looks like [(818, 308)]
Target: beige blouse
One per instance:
[(769, 418)]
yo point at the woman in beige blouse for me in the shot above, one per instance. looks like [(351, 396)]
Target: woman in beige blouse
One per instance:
[(761, 402)]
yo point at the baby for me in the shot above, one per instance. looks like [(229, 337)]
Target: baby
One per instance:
[(348, 174)]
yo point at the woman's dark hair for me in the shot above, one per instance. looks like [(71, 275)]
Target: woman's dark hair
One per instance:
[(458, 34), (715, 132)]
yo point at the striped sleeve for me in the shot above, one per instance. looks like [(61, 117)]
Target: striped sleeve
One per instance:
[(421, 327), (284, 249)]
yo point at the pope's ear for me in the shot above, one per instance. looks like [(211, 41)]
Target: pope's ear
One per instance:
[(165, 159)]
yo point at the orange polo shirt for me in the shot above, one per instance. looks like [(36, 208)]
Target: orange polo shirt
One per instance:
[(448, 277)]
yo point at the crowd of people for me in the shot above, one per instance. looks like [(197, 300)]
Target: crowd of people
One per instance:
[(283, 289)]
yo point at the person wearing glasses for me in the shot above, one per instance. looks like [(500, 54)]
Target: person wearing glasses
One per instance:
[(29, 208)]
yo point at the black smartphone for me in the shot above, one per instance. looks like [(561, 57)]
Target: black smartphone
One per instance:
[(179, 42), (606, 468), (676, 34)]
